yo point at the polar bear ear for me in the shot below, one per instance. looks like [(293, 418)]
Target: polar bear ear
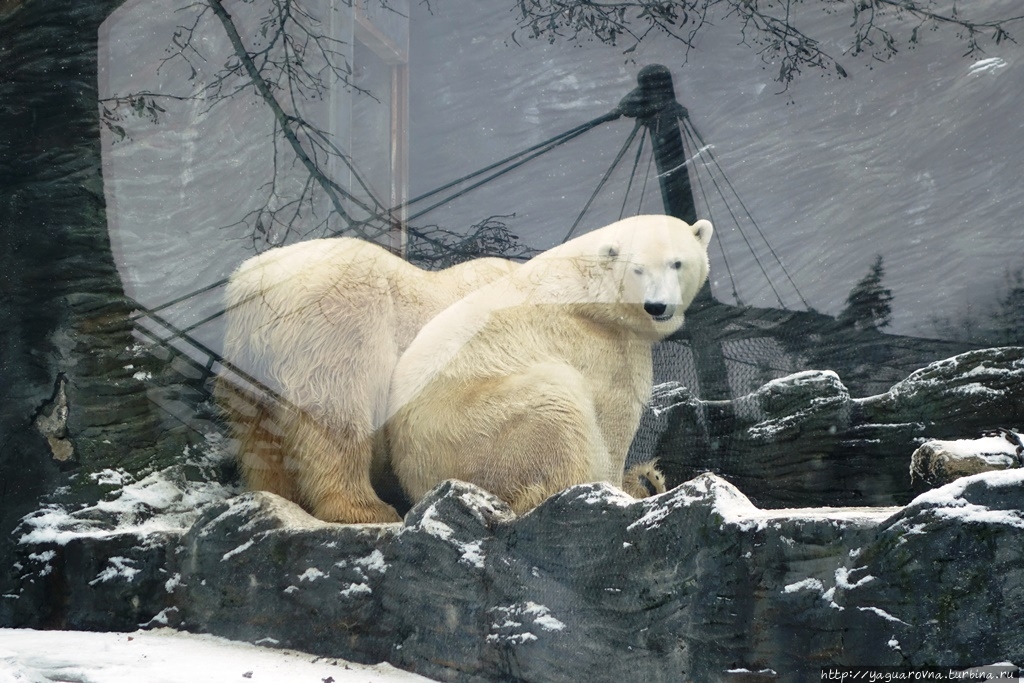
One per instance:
[(703, 230), (610, 251)]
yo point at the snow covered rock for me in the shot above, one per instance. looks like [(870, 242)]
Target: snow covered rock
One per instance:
[(803, 440), (940, 462), (694, 584), (699, 583), (949, 577)]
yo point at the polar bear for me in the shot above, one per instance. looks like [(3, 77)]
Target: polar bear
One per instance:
[(536, 382), (320, 324)]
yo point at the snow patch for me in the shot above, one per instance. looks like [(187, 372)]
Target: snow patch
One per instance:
[(240, 549), (476, 499), (651, 520), (843, 578), (356, 589), (473, 555), (948, 502), (736, 510), (170, 656), (164, 502), (512, 618), (44, 558), (516, 638), (163, 618), (543, 617), (373, 562), (882, 613), (604, 494), (172, 583), (805, 585), (994, 450), (312, 574), (472, 551), (117, 567), (430, 524)]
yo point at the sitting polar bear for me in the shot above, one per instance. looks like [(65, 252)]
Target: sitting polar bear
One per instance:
[(321, 324), (536, 382)]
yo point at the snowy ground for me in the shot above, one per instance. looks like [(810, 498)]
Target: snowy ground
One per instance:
[(167, 656)]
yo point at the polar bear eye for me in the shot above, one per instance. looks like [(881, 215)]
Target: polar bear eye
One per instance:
[(639, 270), (677, 265)]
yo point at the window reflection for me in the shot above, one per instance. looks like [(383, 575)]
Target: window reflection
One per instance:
[(843, 241)]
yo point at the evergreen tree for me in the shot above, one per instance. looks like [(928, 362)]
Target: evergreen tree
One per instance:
[(1009, 315), (868, 306)]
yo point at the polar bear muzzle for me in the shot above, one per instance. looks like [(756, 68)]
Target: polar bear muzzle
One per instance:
[(659, 311)]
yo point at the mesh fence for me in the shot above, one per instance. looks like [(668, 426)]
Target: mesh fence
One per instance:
[(754, 346)]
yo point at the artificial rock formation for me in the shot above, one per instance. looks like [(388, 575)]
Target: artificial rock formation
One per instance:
[(696, 584), (803, 440), (940, 462)]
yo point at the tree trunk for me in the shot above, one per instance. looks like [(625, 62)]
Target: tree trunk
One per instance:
[(68, 399)]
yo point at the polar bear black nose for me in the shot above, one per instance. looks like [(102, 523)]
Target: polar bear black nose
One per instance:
[(655, 309)]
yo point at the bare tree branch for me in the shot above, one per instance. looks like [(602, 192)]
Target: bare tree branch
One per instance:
[(434, 247), (291, 63), (768, 26), (284, 121)]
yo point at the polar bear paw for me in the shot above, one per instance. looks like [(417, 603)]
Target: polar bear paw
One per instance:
[(644, 479), (342, 509)]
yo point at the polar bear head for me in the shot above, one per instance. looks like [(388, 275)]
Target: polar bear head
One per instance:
[(659, 264), (641, 272)]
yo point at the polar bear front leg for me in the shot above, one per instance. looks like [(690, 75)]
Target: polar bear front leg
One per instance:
[(548, 438), (644, 479)]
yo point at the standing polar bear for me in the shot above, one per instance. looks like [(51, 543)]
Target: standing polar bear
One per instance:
[(536, 382), (321, 324)]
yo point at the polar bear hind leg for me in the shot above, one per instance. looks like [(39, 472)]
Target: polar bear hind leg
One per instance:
[(551, 435), (331, 470), (258, 435)]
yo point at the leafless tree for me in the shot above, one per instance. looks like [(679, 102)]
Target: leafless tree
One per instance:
[(288, 63), (435, 248), (291, 63), (770, 27)]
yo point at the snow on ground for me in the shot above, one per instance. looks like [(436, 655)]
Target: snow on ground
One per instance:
[(168, 656)]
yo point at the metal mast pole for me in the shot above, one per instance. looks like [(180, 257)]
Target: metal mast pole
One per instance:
[(653, 103)]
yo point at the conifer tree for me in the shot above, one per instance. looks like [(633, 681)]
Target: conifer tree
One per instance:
[(1009, 316), (869, 304)]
